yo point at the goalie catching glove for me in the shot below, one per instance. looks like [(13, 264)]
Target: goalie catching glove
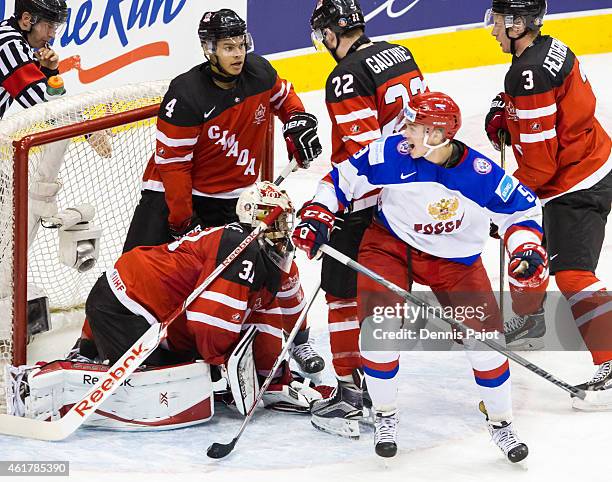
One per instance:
[(300, 133), (313, 231), (528, 265)]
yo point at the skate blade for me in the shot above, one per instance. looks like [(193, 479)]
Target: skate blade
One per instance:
[(342, 427), (595, 401), (527, 344)]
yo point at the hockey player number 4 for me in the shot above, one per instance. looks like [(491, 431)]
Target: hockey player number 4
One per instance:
[(170, 108)]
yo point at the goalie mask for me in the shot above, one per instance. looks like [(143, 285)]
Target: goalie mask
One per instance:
[(254, 205)]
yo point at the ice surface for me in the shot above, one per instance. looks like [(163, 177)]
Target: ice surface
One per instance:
[(442, 434)]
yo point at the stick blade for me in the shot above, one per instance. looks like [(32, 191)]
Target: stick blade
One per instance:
[(37, 429), (218, 451)]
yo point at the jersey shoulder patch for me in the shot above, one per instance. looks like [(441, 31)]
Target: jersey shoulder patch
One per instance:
[(262, 73), (348, 80), (542, 67), (183, 104), (248, 268)]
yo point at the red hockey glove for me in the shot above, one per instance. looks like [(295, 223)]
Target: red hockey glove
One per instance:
[(528, 265), (313, 231), (191, 225), (495, 123), (302, 140)]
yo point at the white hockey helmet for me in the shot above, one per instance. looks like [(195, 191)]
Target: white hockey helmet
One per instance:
[(254, 205)]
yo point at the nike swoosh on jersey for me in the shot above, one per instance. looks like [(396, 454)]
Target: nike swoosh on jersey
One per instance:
[(406, 176), (207, 115)]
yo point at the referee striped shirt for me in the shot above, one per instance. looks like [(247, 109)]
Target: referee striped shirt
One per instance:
[(21, 77)]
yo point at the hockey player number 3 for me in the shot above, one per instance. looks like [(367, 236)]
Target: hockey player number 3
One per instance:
[(247, 273), (528, 74)]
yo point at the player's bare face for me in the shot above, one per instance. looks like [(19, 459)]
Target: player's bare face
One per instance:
[(231, 54), (42, 33), (415, 135), (499, 32)]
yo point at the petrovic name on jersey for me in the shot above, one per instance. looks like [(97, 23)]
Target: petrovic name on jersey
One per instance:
[(435, 209)]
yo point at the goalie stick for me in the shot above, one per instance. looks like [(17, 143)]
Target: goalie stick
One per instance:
[(219, 450), (129, 362), (345, 260)]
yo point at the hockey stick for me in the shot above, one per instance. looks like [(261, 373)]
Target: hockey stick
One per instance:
[(124, 367), (218, 450), (502, 248), (338, 256), (129, 362)]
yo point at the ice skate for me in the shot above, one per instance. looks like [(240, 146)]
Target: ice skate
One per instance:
[(385, 434), (599, 390), (507, 440), (308, 360), (340, 414), (526, 333), (504, 436)]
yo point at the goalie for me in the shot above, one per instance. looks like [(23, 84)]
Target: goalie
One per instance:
[(237, 315)]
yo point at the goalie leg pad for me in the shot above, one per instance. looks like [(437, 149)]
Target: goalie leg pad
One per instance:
[(160, 398)]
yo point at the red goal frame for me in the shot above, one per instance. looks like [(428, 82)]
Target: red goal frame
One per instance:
[(20, 197)]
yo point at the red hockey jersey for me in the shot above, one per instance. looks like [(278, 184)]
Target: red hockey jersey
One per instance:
[(550, 110), (154, 281), (364, 95), (210, 141)]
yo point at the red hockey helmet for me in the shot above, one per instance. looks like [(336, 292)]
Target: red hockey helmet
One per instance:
[(432, 109)]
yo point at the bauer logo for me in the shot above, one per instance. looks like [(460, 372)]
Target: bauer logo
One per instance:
[(505, 188), (482, 166)]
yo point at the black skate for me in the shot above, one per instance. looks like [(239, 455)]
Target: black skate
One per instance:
[(599, 390), (385, 434), (339, 414), (309, 361), (526, 333)]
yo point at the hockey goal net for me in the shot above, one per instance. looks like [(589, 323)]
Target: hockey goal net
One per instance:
[(31, 142)]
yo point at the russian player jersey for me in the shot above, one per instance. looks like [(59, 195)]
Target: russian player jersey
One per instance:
[(366, 92), (154, 281), (21, 77), (210, 141), (550, 109), (441, 211)]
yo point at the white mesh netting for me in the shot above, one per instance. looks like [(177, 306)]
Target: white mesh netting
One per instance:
[(112, 185)]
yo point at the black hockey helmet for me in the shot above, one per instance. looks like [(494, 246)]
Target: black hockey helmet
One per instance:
[(338, 15), (224, 23), (529, 12), (52, 11)]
